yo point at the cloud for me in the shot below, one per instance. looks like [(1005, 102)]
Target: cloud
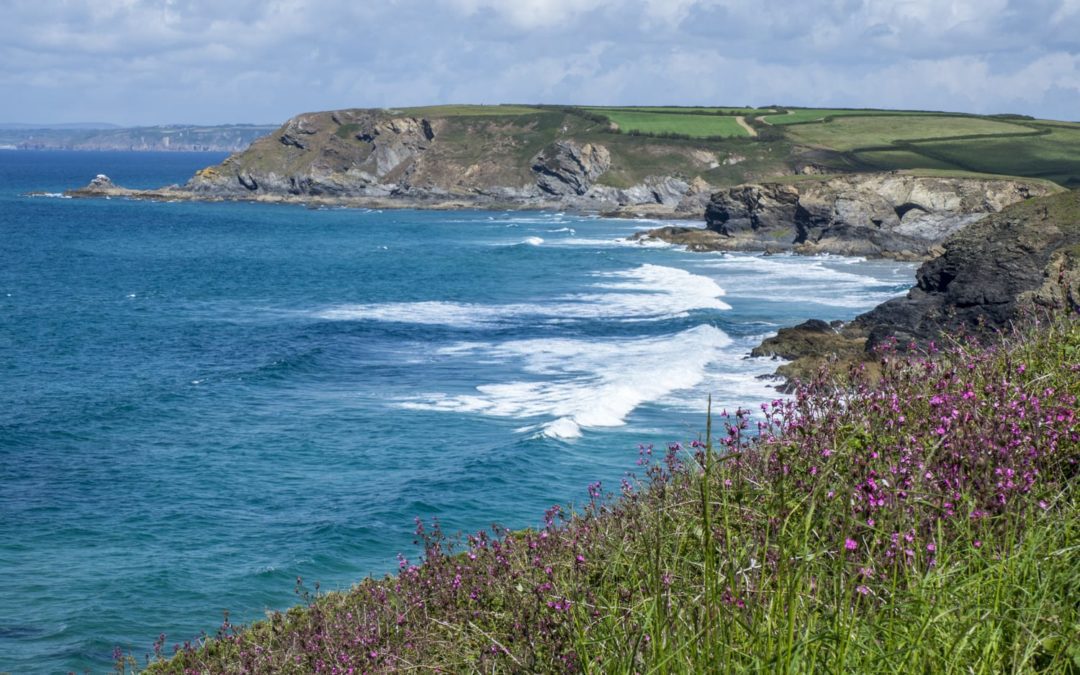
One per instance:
[(152, 61)]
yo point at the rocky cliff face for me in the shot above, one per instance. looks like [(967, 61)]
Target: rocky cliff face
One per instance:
[(566, 168), (891, 214), (991, 274), (418, 161), (1005, 268)]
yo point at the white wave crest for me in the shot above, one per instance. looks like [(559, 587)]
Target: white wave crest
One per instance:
[(584, 384), (802, 279), (645, 293)]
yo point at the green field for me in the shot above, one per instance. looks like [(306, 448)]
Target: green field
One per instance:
[(697, 126), (890, 160), (466, 110), (688, 110), (1055, 156), (850, 133), (802, 115)]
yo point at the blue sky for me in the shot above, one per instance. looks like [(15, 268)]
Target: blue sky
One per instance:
[(214, 61)]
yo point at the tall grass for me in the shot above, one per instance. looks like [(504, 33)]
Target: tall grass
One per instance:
[(924, 522)]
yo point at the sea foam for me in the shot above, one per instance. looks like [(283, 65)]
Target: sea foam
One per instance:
[(645, 293), (801, 279), (583, 384)]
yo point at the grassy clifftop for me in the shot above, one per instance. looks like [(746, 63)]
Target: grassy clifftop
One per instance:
[(927, 522), (498, 153)]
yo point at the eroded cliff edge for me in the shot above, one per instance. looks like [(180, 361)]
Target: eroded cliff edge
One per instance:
[(1000, 270), (897, 215), (381, 158)]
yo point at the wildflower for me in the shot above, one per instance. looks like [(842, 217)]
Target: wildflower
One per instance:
[(851, 545), (863, 590)]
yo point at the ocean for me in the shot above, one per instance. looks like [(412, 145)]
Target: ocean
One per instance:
[(200, 403)]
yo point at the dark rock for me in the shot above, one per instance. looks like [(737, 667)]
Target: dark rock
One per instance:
[(810, 338), (992, 275), (895, 215), (567, 168), (289, 139), (247, 181)]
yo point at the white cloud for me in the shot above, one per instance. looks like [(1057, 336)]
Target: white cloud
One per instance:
[(528, 14), (151, 61)]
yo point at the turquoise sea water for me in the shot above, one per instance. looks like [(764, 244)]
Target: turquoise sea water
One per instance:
[(201, 402)]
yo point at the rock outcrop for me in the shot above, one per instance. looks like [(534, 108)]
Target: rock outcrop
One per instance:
[(567, 168), (890, 214), (101, 186), (368, 155), (995, 273), (385, 159), (991, 275)]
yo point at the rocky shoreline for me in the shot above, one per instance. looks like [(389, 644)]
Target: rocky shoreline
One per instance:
[(1021, 253), (1005, 270), (883, 215), (993, 248), (102, 186)]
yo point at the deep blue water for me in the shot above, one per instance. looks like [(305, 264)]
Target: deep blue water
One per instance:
[(201, 402)]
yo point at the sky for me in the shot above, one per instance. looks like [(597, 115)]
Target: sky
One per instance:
[(136, 62)]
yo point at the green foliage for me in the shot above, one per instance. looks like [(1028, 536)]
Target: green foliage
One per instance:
[(678, 110), (1054, 155), (676, 125), (850, 133), (463, 110), (927, 522), (804, 115)]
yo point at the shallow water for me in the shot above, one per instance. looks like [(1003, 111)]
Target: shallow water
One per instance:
[(201, 402)]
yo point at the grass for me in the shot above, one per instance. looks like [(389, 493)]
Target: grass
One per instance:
[(851, 133), (697, 126), (893, 160), (1055, 156), (687, 110), (465, 110), (923, 522), (803, 115)]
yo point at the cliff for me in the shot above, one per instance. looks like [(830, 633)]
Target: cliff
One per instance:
[(899, 215), (994, 273), (538, 160), (473, 156)]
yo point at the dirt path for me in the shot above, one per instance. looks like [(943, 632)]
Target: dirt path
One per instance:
[(745, 125), (765, 121)]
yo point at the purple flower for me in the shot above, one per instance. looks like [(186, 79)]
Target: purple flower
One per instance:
[(851, 545)]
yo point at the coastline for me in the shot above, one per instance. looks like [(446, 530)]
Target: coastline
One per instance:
[(397, 202)]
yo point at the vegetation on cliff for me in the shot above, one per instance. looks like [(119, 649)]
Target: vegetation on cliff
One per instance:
[(926, 522), (656, 161), (991, 275)]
